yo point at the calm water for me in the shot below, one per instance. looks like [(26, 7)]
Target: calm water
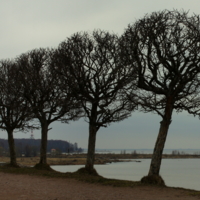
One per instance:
[(176, 172)]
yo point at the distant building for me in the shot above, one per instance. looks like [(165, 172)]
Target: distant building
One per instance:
[(75, 146), (32, 136), (53, 152)]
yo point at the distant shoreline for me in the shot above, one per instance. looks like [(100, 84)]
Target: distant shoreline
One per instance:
[(80, 159)]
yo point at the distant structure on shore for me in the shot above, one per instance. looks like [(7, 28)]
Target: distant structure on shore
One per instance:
[(32, 136)]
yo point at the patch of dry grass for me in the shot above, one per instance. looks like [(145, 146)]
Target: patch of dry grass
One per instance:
[(31, 161)]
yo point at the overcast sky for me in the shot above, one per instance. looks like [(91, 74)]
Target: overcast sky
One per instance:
[(28, 24)]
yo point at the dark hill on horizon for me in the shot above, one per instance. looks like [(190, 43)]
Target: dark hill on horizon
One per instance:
[(31, 146)]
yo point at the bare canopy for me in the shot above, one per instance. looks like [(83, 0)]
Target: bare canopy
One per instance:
[(41, 88), (97, 78), (164, 47), (15, 111)]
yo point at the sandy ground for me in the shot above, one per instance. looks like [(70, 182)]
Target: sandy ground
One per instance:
[(26, 187)]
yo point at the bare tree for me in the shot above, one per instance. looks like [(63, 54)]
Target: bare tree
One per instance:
[(14, 110), (164, 47), (42, 90), (92, 64)]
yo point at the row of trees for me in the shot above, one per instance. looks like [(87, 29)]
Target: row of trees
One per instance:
[(31, 97), (154, 67)]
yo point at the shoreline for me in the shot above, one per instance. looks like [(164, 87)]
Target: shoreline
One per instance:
[(80, 159), (30, 183), (24, 186)]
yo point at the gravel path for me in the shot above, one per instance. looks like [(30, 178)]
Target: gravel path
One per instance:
[(25, 187)]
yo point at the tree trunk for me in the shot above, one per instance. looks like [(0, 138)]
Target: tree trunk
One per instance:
[(11, 143), (43, 147), (160, 142), (91, 148)]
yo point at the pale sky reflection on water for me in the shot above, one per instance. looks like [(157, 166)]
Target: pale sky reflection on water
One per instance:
[(175, 172)]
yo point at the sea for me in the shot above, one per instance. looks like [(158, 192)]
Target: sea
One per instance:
[(182, 173)]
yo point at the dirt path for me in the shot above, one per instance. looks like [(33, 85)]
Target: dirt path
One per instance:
[(25, 187)]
